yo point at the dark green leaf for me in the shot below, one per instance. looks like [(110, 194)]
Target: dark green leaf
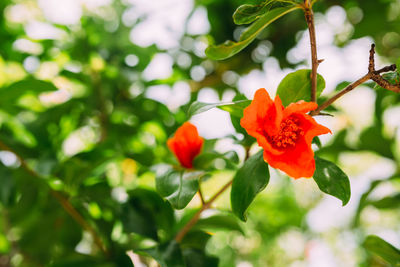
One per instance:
[(7, 186), (317, 141), (249, 180), (297, 86), (198, 258), (195, 239), (398, 65), (167, 255), (248, 13), (145, 213), (383, 249), (332, 180), (230, 48), (234, 107), (178, 187)]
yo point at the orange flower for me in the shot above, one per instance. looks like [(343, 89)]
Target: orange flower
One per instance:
[(186, 144), (285, 134)]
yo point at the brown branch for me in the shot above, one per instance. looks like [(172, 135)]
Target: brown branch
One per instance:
[(201, 196), (64, 202), (309, 15), (181, 234), (371, 75)]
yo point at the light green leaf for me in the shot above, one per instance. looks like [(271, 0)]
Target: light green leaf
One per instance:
[(232, 107), (332, 180), (219, 222), (297, 86), (230, 48), (178, 187), (248, 13), (383, 249), (249, 180)]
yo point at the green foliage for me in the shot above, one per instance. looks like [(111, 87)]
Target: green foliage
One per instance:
[(297, 85), (81, 140), (230, 48), (248, 13), (249, 181), (383, 249), (332, 180), (235, 107), (178, 187)]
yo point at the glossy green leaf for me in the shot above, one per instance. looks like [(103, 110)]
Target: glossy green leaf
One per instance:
[(248, 13), (232, 107), (230, 48), (332, 180), (383, 249), (249, 180), (178, 187), (297, 86)]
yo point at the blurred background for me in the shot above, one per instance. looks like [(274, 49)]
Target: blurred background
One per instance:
[(90, 90)]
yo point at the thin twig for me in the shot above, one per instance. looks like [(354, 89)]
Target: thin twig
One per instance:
[(181, 234), (201, 196), (64, 202), (371, 75), (309, 15)]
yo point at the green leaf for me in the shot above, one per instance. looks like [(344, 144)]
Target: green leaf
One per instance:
[(250, 180), (398, 65), (248, 13), (234, 107), (332, 180), (297, 86), (390, 202), (145, 213), (195, 239), (230, 48), (219, 222), (237, 108), (317, 142), (7, 188), (16, 90), (383, 249), (167, 254), (178, 187), (198, 258)]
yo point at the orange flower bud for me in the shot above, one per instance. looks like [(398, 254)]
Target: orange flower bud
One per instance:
[(186, 144)]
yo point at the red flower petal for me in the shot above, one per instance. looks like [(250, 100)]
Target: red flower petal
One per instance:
[(285, 134), (186, 144)]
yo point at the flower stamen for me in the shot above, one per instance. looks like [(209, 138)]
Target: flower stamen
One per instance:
[(288, 134)]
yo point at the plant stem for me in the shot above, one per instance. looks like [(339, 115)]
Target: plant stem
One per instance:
[(371, 75), (181, 234), (64, 202), (340, 94), (309, 15)]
